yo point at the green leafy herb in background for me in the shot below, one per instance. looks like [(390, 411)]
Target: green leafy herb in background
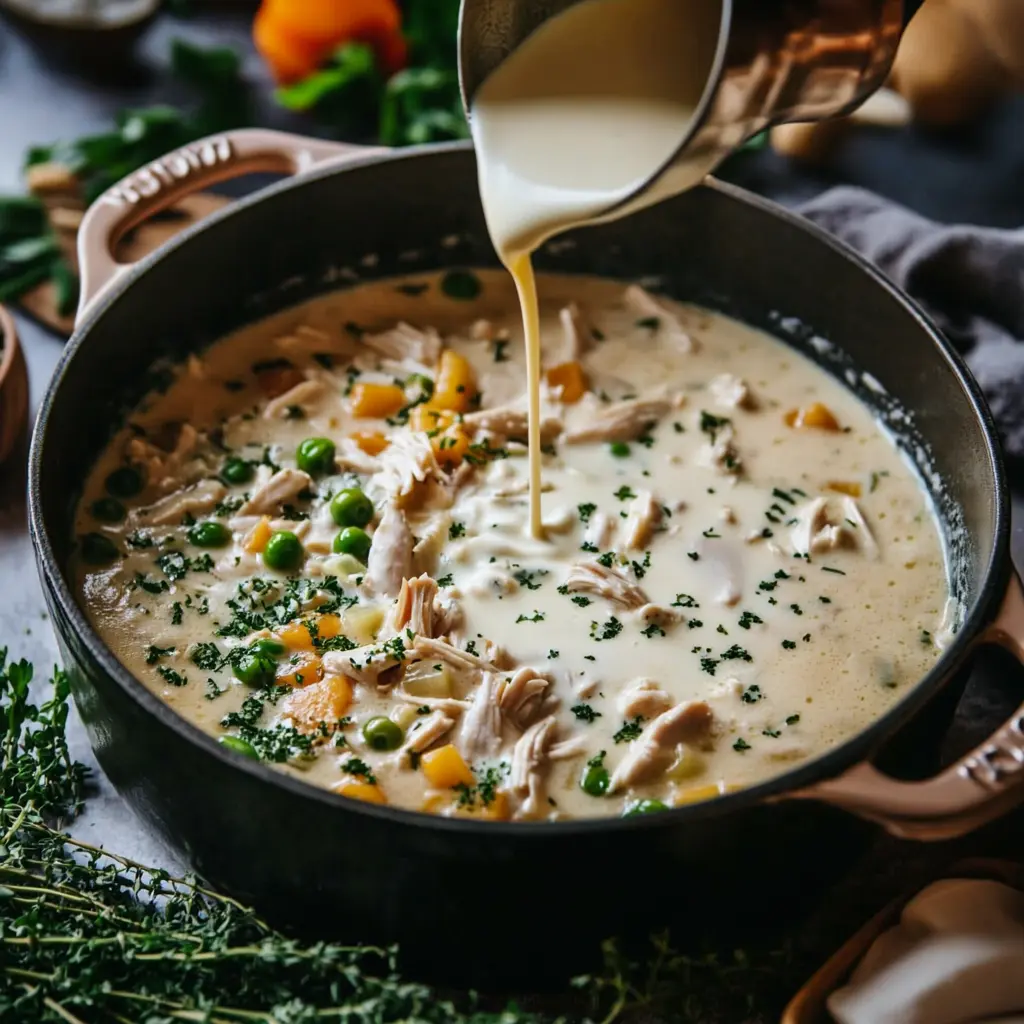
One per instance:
[(89, 937)]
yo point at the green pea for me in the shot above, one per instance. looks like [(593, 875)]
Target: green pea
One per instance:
[(210, 534), (644, 807), (97, 549), (352, 541), (267, 645), (315, 456), (107, 510), (350, 507), (254, 668), (283, 551), (595, 780), (238, 746), (237, 471), (125, 482), (419, 388), (619, 449), (460, 284), (383, 734)]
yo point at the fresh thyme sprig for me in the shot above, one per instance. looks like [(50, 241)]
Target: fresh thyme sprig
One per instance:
[(90, 937)]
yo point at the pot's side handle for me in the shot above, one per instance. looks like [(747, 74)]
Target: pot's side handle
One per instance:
[(162, 183), (973, 791)]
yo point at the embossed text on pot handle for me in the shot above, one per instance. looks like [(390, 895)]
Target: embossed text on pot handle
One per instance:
[(972, 792), (163, 182)]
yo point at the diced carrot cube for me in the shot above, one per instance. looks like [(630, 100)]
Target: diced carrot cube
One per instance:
[(450, 447), (323, 701), (850, 487), (366, 791), (372, 443), (571, 378), (698, 794), (436, 803), (278, 379), (455, 385), (499, 808), (328, 626), (256, 539), (301, 669), (430, 419), (445, 768), (815, 415), (296, 637), (376, 401)]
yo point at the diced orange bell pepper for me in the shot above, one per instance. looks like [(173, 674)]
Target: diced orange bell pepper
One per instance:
[(256, 539), (290, 57), (850, 487), (328, 626), (296, 637), (571, 378), (376, 401), (301, 669), (498, 809), (366, 791), (815, 415), (445, 768), (455, 383), (323, 701), (372, 443), (450, 447)]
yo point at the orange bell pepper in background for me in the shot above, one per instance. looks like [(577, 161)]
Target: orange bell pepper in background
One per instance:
[(296, 36)]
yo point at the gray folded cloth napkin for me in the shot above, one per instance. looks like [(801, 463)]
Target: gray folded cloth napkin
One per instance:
[(969, 279)]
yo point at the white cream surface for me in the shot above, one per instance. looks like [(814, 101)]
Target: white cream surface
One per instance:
[(720, 592)]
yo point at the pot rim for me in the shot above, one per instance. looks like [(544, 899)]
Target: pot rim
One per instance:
[(856, 748)]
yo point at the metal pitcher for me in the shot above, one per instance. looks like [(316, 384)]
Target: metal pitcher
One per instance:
[(776, 61)]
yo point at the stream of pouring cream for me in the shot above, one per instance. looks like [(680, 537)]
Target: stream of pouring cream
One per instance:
[(575, 120)]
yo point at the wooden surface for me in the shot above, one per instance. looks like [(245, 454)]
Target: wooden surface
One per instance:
[(978, 178)]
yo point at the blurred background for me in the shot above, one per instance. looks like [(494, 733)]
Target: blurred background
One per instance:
[(92, 89)]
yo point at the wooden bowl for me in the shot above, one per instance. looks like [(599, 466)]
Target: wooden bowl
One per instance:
[(808, 1006), (13, 386)]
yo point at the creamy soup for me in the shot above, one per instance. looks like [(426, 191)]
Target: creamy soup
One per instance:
[(314, 543)]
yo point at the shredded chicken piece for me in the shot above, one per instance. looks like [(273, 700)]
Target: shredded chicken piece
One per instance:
[(351, 457), (480, 729), (721, 454), (567, 749), (594, 578), (407, 461), (576, 332), (730, 391), (529, 756), (390, 560), (447, 614), (522, 695), (164, 468), (201, 498), (414, 607), (451, 706), (659, 615), (655, 750), (599, 531), (620, 421), (643, 697), (463, 661), (303, 395), (861, 531), (425, 732), (643, 515), (364, 664), (646, 305), (510, 421), (284, 486), (404, 341)]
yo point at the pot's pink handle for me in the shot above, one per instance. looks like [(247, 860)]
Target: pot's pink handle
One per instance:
[(164, 182), (977, 789)]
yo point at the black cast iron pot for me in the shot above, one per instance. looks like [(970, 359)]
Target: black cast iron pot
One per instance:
[(485, 900)]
